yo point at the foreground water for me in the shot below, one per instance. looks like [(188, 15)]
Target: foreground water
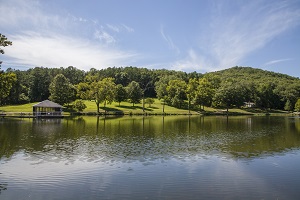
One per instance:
[(173, 157)]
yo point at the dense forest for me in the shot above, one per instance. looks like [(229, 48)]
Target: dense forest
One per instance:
[(221, 89)]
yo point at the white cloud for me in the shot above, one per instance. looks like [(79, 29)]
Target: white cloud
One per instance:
[(34, 49), (58, 39), (232, 35), (104, 37)]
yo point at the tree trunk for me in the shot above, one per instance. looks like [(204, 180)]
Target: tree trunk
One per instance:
[(144, 101), (189, 106), (98, 106)]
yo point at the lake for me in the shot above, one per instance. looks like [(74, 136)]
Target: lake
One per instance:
[(154, 157)]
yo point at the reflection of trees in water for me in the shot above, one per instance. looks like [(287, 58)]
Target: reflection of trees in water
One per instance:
[(3, 186), (135, 138)]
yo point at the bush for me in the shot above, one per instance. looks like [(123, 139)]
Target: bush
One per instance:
[(79, 105), (149, 101)]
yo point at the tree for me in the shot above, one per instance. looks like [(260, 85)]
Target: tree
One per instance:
[(288, 106), (6, 82), (121, 94), (39, 84), (79, 105), (161, 89), (176, 92), (83, 90), (3, 43), (61, 90), (297, 106), (134, 92), (191, 90), (102, 92), (149, 101), (204, 93)]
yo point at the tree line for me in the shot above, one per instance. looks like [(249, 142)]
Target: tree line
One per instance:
[(222, 89)]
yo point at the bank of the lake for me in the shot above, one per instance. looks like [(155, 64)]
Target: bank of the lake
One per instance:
[(125, 108)]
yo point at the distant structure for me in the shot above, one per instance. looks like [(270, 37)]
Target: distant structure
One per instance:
[(47, 109), (249, 104)]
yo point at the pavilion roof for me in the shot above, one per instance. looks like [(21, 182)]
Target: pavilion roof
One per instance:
[(48, 104)]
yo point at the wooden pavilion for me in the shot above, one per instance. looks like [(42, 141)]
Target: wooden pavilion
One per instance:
[(47, 109)]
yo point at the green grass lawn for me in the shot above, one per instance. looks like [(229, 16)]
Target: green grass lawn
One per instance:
[(18, 108), (128, 108)]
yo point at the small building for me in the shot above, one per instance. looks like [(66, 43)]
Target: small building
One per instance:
[(249, 104), (47, 109)]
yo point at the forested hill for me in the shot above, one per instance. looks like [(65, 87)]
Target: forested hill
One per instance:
[(265, 88), (226, 88), (253, 74)]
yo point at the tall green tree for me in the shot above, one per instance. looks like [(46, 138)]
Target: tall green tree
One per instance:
[(134, 92), (39, 84), (204, 93), (191, 90), (297, 106), (161, 89), (176, 92), (83, 90), (121, 94), (7, 80), (61, 90), (103, 92)]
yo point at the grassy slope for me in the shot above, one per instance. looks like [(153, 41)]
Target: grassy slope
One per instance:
[(91, 107), (127, 108)]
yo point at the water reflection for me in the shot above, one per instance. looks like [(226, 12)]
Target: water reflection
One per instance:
[(172, 157), (138, 138)]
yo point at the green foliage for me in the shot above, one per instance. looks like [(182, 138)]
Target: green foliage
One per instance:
[(61, 90), (134, 92), (6, 82), (121, 94), (204, 93), (297, 106), (102, 92), (83, 90), (149, 101), (79, 105), (176, 92), (227, 88), (39, 84), (3, 43), (288, 106)]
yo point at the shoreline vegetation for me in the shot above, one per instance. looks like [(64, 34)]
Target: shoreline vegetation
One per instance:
[(141, 91), (125, 108)]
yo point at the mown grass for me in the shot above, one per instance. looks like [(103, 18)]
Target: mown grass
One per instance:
[(128, 108)]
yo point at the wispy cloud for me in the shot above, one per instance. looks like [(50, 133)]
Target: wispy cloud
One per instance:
[(128, 29), (43, 38), (276, 61), (61, 51), (120, 28), (232, 35), (169, 40)]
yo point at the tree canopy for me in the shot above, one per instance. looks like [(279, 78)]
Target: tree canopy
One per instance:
[(221, 89)]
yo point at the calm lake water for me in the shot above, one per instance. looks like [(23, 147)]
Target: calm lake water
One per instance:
[(172, 157)]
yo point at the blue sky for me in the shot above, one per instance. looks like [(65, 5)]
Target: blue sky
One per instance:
[(187, 35)]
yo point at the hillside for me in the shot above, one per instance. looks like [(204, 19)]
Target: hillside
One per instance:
[(253, 74)]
